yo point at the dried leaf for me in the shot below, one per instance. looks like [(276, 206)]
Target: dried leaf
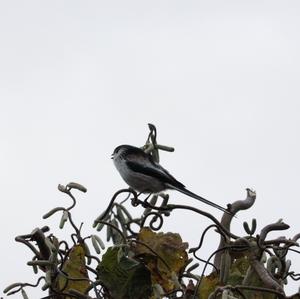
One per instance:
[(74, 267), (166, 257)]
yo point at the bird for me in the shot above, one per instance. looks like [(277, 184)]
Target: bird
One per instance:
[(143, 174)]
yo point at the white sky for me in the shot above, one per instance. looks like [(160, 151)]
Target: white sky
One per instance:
[(219, 79)]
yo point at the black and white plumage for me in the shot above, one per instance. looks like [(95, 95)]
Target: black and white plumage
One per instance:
[(141, 173)]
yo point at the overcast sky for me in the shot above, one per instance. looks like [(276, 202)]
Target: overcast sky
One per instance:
[(219, 79)]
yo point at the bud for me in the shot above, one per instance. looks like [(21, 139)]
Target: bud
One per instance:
[(77, 186)]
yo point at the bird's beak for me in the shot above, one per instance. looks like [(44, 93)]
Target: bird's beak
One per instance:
[(112, 156)]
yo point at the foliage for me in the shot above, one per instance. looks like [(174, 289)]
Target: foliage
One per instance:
[(164, 255), (145, 262), (124, 277)]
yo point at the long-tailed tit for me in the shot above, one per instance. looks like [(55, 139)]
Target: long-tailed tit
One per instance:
[(141, 173)]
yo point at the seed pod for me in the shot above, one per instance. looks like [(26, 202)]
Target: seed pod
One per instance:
[(115, 234), (51, 212), (124, 230), (100, 226), (189, 261), (155, 155), (120, 215), (287, 266), (45, 229), (153, 200), (246, 228), (100, 217), (126, 212), (120, 254), (42, 263), (87, 253), (100, 242), (53, 257), (77, 186), (24, 294), (122, 220), (35, 269), (115, 222), (55, 242), (165, 200), (63, 219), (193, 267), (95, 244), (47, 280), (108, 233), (50, 245), (45, 286), (165, 148), (12, 286), (253, 228)]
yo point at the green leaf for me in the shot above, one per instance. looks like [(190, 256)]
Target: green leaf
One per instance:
[(124, 278)]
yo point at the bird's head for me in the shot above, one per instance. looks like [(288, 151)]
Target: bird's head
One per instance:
[(125, 149), (116, 151)]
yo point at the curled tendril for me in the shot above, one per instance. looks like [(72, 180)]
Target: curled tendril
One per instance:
[(130, 223), (156, 219), (20, 286), (111, 204), (294, 276)]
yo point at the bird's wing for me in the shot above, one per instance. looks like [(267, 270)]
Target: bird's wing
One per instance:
[(173, 181), (153, 169)]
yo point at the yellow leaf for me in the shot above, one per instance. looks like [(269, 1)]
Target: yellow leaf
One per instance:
[(74, 267), (164, 255)]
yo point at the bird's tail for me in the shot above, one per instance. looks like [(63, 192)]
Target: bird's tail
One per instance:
[(191, 194)]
